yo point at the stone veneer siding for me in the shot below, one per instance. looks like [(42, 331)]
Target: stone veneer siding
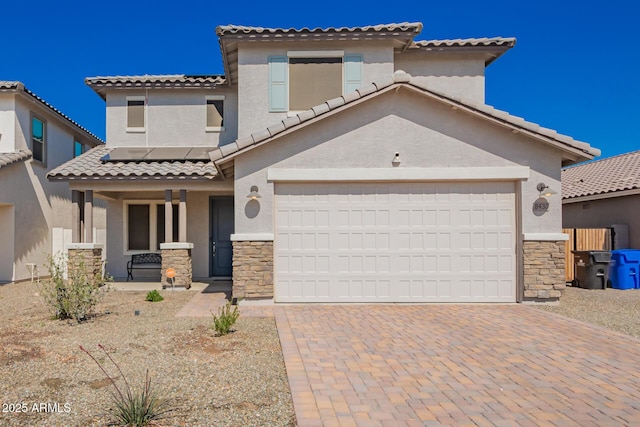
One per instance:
[(179, 260), (90, 258), (544, 270), (252, 269)]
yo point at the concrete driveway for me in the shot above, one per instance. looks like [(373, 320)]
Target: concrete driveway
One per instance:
[(432, 365)]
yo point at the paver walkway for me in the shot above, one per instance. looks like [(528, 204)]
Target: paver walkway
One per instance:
[(433, 365)]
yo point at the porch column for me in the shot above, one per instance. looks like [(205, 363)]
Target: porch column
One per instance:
[(182, 217), (88, 216), (168, 217), (75, 216)]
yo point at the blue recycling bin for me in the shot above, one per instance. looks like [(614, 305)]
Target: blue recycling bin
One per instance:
[(623, 269)]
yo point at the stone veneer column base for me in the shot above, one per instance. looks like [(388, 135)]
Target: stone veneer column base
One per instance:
[(89, 256), (252, 269), (544, 271), (178, 257)]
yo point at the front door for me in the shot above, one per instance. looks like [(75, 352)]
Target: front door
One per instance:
[(221, 229)]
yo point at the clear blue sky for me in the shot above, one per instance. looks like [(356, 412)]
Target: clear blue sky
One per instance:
[(574, 67)]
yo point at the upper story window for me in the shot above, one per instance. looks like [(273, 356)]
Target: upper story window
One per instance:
[(38, 139), (215, 113), (304, 79), (135, 113), (78, 148)]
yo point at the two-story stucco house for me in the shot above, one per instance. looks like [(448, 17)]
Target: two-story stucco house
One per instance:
[(333, 165), (35, 137)]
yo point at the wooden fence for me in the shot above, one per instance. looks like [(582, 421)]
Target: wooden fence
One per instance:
[(584, 239)]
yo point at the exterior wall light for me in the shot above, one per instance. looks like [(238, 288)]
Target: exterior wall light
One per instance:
[(253, 193), (544, 190), (396, 159)]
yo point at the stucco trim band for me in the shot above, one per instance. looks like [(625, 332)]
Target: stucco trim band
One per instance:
[(83, 246), (545, 237), (506, 173), (176, 245), (258, 237)]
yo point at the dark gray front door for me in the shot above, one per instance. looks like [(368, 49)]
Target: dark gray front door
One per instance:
[(221, 229)]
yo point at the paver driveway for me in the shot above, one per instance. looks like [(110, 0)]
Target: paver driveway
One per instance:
[(431, 365)]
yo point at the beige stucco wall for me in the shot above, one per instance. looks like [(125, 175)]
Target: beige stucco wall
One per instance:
[(7, 123), (425, 133), (461, 76), (253, 75), (174, 118), (605, 213), (39, 206)]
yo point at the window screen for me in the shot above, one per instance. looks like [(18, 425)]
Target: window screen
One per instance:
[(135, 113), (138, 222), (215, 113), (313, 81)]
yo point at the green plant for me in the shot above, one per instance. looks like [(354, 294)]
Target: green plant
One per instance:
[(75, 297), (224, 320), (133, 408), (154, 296)]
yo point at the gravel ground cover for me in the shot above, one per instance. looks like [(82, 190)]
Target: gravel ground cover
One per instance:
[(234, 380), (614, 309)]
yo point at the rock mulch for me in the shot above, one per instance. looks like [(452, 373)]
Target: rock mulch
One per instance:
[(614, 309), (235, 380)]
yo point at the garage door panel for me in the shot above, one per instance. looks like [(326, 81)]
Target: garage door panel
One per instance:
[(395, 242)]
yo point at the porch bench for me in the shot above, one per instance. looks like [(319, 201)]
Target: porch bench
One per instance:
[(148, 261)]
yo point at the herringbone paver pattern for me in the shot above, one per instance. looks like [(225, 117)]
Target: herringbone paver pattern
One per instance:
[(437, 365)]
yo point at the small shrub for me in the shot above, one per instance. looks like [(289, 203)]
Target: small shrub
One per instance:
[(154, 296), (75, 297), (133, 408), (224, 320)]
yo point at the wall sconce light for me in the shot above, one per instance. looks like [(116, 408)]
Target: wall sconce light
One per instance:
[(253, 193), (396, 159), (544, 190)]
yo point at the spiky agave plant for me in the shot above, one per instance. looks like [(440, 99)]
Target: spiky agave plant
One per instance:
[(133, 407)]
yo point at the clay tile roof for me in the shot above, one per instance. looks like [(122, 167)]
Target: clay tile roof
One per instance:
[(400, 77), (224, 30), (91, 166), (160, 81), (604, 176), (492, 41), (7, 159)]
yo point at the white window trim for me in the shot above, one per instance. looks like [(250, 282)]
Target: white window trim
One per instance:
[(136, 98), (315, 53), (153, 221), (224, 108)]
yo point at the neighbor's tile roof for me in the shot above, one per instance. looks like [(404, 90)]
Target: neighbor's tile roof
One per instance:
[(399, 78), (223, 30), (604, 176), (7, 159), (19, 86), (90, 166)]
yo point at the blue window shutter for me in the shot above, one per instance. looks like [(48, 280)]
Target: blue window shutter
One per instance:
[(352, 72), (278, 83)]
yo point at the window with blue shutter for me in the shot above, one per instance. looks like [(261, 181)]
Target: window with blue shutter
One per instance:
[(298, 82), (352, 72), (278, 97)]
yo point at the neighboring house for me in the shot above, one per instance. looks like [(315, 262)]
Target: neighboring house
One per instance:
[(34, 138), (605, 194), (337, 164)]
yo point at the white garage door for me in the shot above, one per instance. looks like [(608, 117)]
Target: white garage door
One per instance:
[(395, 242)]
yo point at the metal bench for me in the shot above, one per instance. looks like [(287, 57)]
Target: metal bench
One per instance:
[(150, 261)]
